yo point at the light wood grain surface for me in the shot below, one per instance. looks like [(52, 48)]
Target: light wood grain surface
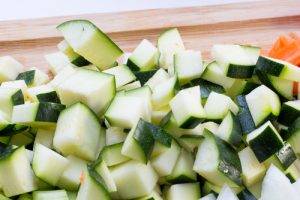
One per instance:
[(257, 23)]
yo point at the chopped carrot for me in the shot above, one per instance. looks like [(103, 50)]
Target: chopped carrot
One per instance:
[(295, 88), (81, 177), (287, 47)]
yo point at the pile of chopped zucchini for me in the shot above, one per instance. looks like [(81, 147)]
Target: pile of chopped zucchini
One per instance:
[(158, 123)]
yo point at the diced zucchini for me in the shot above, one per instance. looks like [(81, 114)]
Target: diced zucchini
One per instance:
[(230, 130), (90, 42), (256, 189), (157, 78), (210, 188), (85, 86), (292, 173), (213, 73), (112, 154), (263, 104), (188, 65), (286, 155), (246, 195), (283, 87), (9, 68), (33, 77), (44, 114), (236, 61), (70, 178), (158, 115), (17, 84), (74, 57), (154, 195), (253, 171), (277, 186), (92, 187), (139, 143), (163, 93), (9, 97), (47, 195), (102, 169), (24, 138), (145, 76), (140, 140), (144, 57), (169, 123), (208, 197), (16, 175), (72, 195), (134, 104), (165, 162), (290, 111), (57, 62), (134, 179), (23, 197), (48, 165), (244, 115), (62, 75), (115, 135), (186, 107), (188, 191), (218, 162), (130, 86), (265, 134), (217, 106), (190, 142), (183, 170), (168, 43), (278, 68), (206, 87), (78, 132), (227, 193), (44, 137), (293, 137), (123, 75), (43, 93)]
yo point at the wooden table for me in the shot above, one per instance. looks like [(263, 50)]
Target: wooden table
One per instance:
[(257, 23)]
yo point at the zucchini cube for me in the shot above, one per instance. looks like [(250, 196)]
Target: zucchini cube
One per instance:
[(264, 141)]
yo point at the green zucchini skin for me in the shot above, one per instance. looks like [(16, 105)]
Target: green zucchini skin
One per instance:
[(144, 137), (265, 144), (27, 76), (230, 164), (80, 61), (286, 155), (146, 134), (268, 66), (246, 195), (249, 86), (48, 112), (48, 97), (288, 115), (236, 133), (244, 115), (144, 76), (132, 66), (240, 71), (18, 98), (206, 87), (12, 129), (263, 77), (191, 122)]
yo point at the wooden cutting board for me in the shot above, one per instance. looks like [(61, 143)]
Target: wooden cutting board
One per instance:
[(257, 23)]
